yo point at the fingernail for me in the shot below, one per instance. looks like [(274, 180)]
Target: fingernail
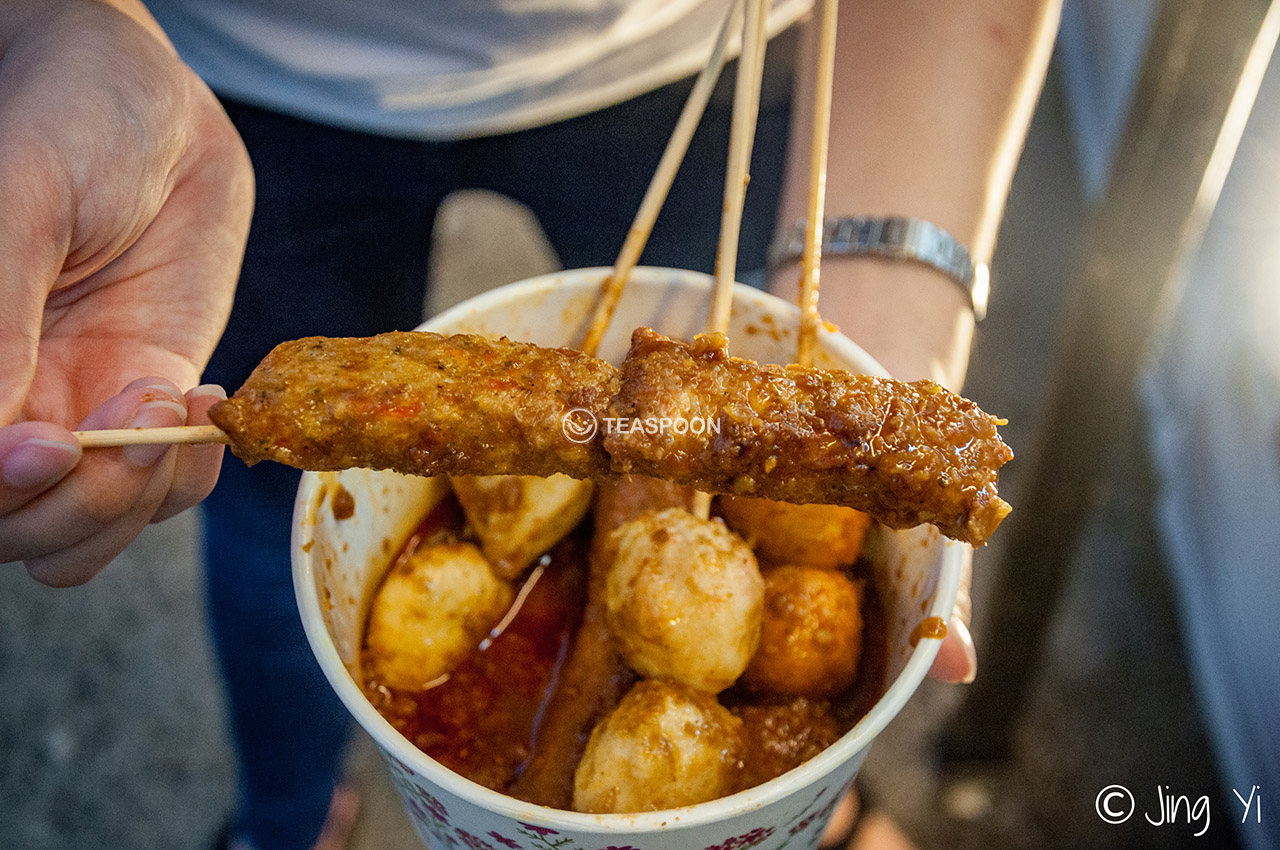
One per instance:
[(165, 387), (35, 464), (161, 413), (207, 391), (961, 631)]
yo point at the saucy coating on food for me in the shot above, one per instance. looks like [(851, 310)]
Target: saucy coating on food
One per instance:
[(426, 404), (420, 403), (517, 711), (664, 746), (594, 677), (825, 536), (906, 453), (811, 633), (781, 737)]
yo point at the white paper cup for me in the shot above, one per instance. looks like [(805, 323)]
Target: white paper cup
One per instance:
[(337, 564)]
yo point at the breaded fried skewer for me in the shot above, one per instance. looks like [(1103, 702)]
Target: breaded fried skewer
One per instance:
[(423, 404), (905, 453), (426, 404)]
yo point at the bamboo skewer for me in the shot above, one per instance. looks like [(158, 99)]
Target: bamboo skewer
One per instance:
[(809, 319), (660, 184), (746, 108), (175, 436), (742, 131)]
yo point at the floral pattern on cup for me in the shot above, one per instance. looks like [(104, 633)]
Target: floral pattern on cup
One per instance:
[(432, 818)]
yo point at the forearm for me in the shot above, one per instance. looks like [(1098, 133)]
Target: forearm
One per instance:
[(931, 103), (16, 14)]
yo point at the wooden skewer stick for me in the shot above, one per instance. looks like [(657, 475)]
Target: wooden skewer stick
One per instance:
[(660, 184), (746, 108), (742, 131), (180, 435), (809, 319)]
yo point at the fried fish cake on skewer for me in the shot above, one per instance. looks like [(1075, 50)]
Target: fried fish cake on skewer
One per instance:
[(421, 403), (427, 404), (905, 453)]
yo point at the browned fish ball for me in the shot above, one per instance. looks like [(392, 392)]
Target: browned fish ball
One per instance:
[(811, 635), (666, 745), (683, 597), (826, 536)]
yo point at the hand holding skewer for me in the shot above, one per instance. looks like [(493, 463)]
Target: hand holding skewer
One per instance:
[(120, 243)]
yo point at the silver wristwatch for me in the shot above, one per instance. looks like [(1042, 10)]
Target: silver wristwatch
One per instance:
[(897, 238)]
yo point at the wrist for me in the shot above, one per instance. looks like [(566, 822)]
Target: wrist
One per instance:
[(900, 238), (910, 317)]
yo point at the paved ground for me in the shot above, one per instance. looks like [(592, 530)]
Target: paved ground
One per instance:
[(111, 721)]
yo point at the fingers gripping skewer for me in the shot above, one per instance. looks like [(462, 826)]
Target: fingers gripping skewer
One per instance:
[(660, 185), (809, 320)]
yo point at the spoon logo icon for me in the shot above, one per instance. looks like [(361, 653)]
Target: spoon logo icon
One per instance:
[(579, 425)]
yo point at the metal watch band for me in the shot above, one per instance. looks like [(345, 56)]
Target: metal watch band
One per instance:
[(897, 238)]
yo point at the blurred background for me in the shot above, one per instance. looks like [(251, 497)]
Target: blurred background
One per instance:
[(1124, 617)]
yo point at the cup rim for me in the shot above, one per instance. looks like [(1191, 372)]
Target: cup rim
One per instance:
[(396, 745)]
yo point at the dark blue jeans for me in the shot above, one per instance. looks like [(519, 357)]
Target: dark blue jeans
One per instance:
[(338, 247)]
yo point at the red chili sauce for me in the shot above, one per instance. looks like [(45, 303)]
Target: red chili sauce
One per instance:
[(480, 720)]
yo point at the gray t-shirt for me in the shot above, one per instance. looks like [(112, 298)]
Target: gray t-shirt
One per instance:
[(441, 69)]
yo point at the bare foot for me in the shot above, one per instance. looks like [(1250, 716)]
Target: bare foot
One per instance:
[(340, 821), (851, 829)]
